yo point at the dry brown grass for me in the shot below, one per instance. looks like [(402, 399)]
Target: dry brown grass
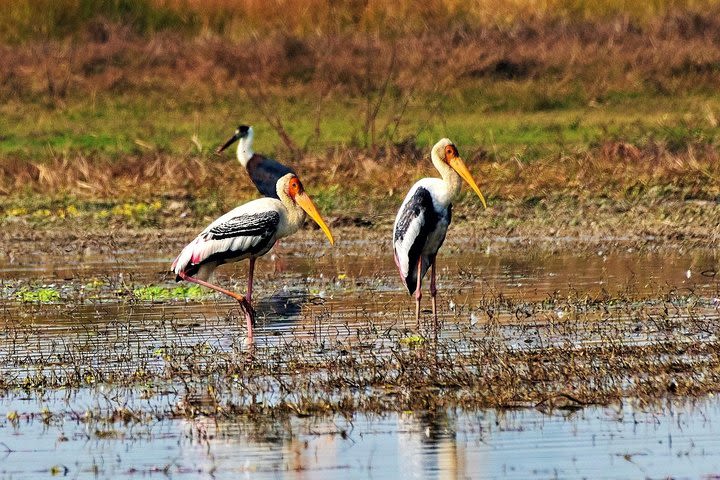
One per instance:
[(672, 52), (245, 18), (563, 47), (614, 170)]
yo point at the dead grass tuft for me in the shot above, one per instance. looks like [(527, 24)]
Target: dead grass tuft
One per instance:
[(613, 169)]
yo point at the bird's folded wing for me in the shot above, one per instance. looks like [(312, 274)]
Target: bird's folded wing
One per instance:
[(412, 226), (260, 225), (265, 172), (231, 237)]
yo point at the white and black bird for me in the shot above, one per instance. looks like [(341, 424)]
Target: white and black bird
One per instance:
[(264, 171), (423, 219), (249, 231)]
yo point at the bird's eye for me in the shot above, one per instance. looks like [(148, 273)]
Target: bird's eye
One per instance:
[(294, 185)]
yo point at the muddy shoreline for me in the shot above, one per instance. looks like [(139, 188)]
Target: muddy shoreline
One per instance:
[(663, 224)]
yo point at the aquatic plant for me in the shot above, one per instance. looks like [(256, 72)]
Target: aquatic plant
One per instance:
[(38, 295), (156, 292)]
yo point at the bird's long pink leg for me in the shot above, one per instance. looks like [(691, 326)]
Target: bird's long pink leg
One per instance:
[(418, 292), (244, 302), (433, 290), (249, 316)]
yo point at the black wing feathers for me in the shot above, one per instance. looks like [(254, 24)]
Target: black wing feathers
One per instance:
[(259, 224), (265, 172), (420, 205)]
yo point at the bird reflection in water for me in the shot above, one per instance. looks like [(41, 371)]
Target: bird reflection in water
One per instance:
[(427, 443), (282, 308)]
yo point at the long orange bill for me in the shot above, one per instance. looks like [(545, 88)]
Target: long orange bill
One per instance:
[(306, 204), (459, 166)]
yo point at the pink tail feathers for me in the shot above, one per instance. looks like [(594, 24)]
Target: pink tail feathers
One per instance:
[(186, 257)]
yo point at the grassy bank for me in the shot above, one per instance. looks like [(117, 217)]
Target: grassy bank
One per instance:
[(108, 104)]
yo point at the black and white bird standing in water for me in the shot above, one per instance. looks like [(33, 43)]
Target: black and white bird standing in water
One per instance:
[(249, 231), (423, 219), (264, 172)]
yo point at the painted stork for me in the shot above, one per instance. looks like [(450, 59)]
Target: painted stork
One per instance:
[(264, 172), (249, 231), (423, 219)]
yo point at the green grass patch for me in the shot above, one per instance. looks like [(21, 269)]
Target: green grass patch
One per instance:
[(181, 292), (38, 295), (134, 124)]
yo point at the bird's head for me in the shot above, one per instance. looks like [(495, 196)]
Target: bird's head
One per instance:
[(446, 152), (244, 134), (291, 186)]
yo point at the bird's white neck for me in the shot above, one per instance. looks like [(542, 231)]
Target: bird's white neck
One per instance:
[(450, 177), (295, 215), (245, 150)]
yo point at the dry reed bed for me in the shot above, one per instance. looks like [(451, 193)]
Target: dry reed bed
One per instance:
[(610, 170), (669, 200), (28, 18)]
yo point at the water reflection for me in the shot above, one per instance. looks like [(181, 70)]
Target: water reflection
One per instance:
[(281, 307), (346, 297), (678, 439), (411, 445), (428, 446), (613, 442)]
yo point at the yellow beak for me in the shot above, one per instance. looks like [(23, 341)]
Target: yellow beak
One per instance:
[(459, 166), (306, 204)]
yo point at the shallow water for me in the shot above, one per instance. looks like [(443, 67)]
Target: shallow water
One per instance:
[(341, 294), (346, 299), (678, 440)]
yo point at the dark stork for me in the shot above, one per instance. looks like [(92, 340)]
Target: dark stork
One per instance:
[(264, 172), (249, 231), (423, 219)]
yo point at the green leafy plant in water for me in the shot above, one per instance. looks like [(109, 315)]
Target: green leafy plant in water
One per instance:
[(412, 341), (154, 292), (38, 295), (94, 284)]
